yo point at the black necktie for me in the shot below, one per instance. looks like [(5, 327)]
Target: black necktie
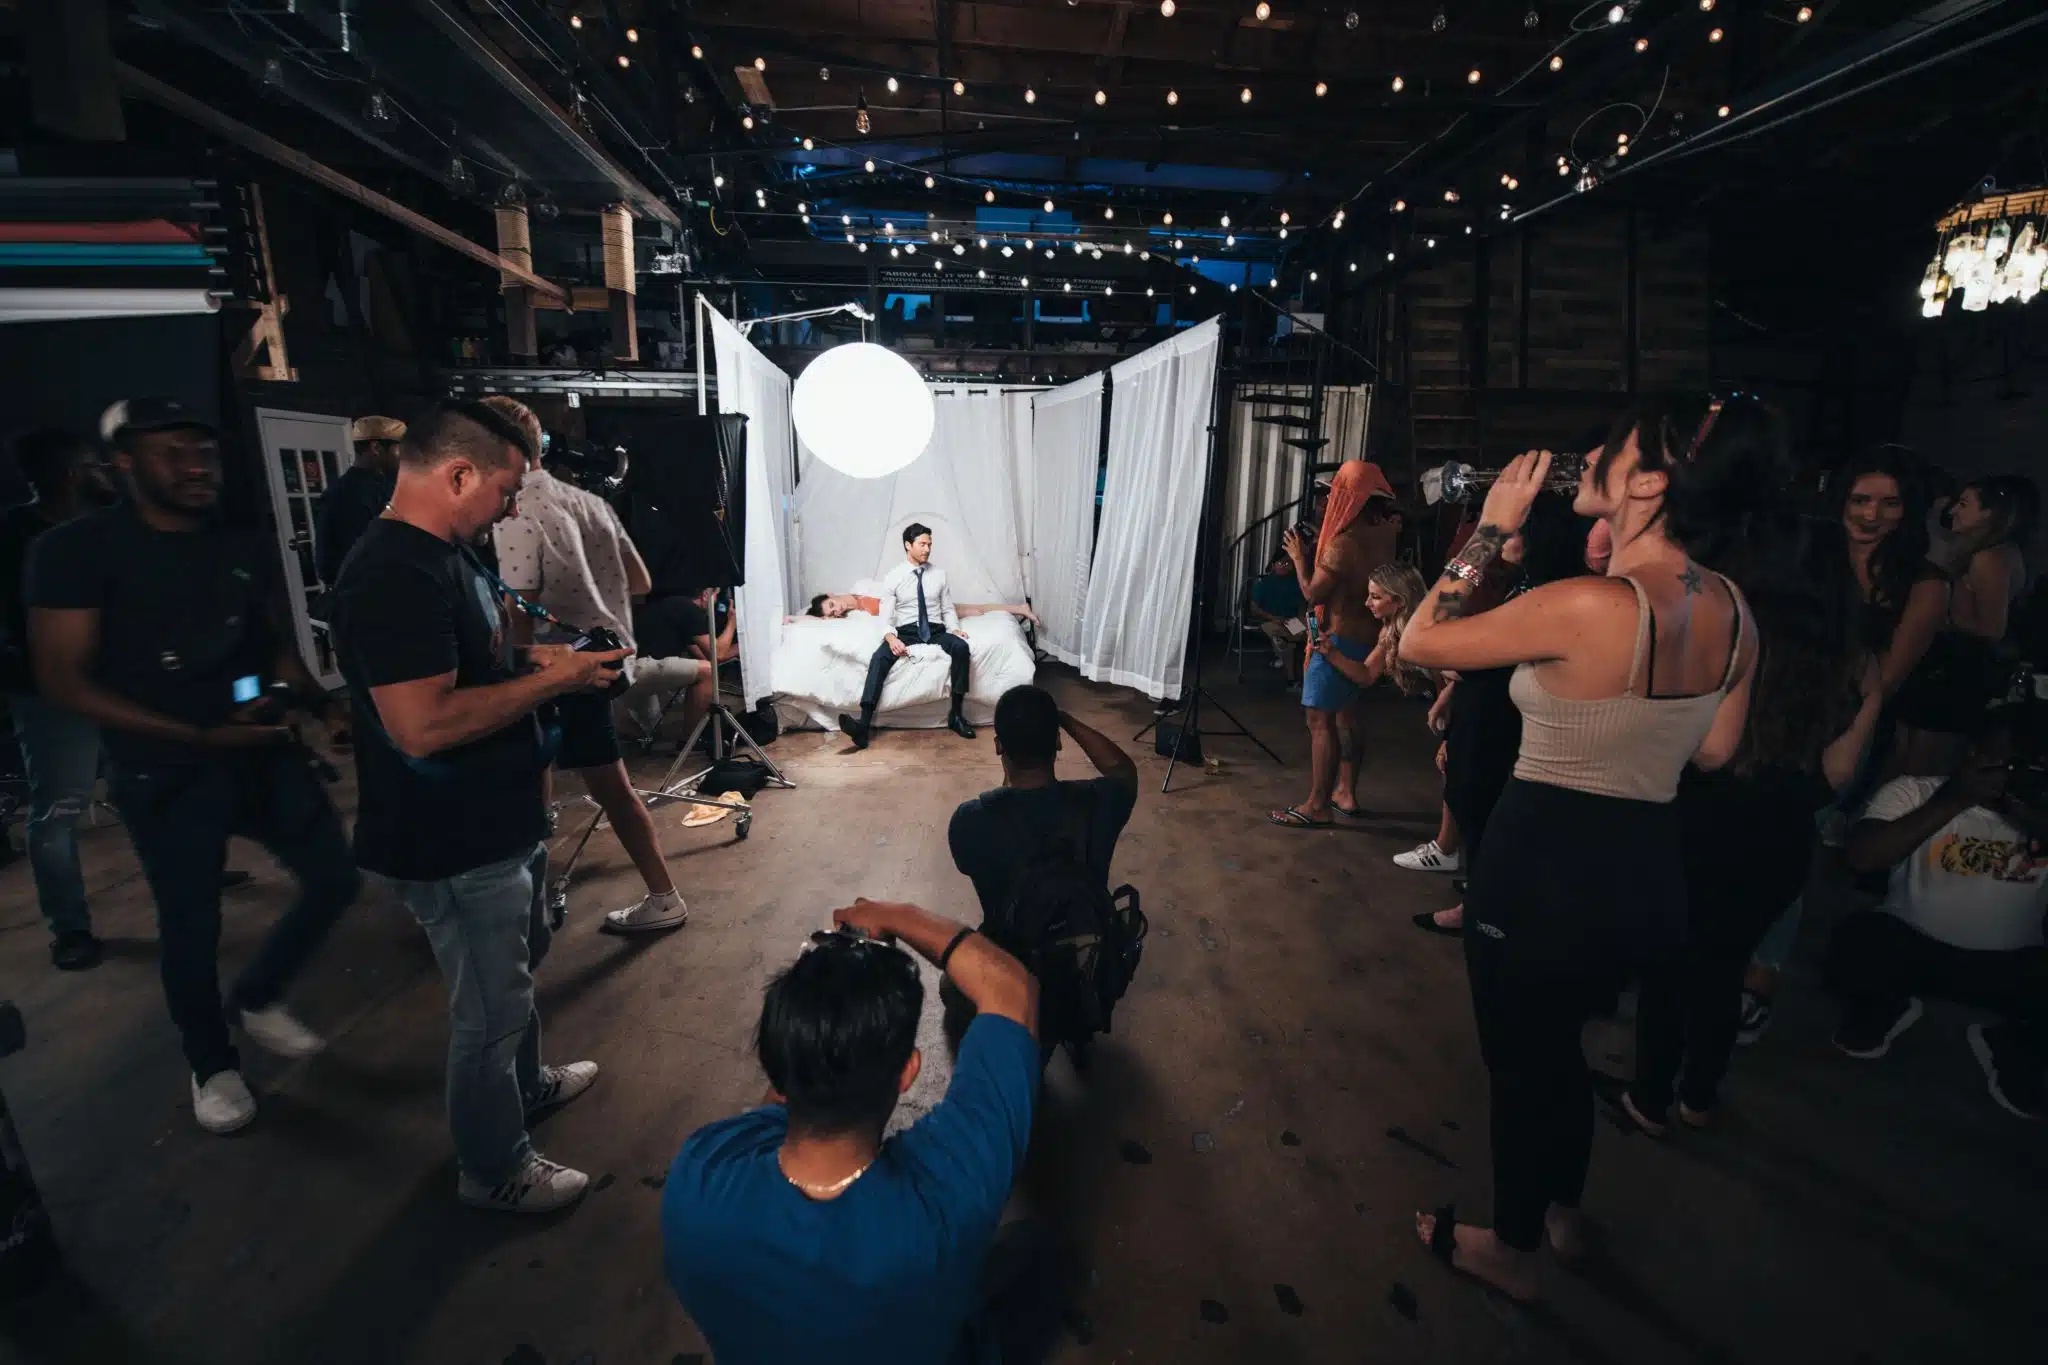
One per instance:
[(924, 620)]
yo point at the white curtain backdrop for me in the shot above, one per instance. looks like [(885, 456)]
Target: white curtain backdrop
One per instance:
[(750, 383), (1134, 627), (964, 487), (1066, 445)]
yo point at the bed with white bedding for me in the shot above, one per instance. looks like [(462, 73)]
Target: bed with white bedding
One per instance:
[(821, 666)]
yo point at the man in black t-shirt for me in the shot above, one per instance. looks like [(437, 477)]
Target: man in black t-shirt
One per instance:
[(59, 747), (449, 757), (159, 625), (983, 834), (358, 495)]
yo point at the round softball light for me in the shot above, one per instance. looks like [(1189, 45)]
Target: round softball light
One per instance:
[(862, 409)]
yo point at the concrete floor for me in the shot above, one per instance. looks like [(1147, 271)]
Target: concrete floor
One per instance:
[(1231, 1165)]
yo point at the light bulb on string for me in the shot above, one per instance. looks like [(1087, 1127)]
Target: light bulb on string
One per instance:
[(988, 196), (1722, 112), (1030, 95), (1642, 44), (1313, 277), (1805, 14), (893, 86), (1400, 206), (870, 164), (1262, 11), (959, 87), (760, 64), (981, 274), (1178, 244), (1244, 96), (1706, 6), (1109, 213), (959, 249), (930, 183), (1338, 221), (809, 145), (747, 122), (981, 242), (1230, 241), (1167, 220), (1166, 8), (1226, 220), (632, 35), (1615, 14), (575, 21), (1354, 267), (1399, 85), (1283, 234), (1148, 291), (1322, 89), (1556, 62), (717, 182), (1472, 76), (1714, 35), (624, 61), (1007, 251), (1101, 97), (1390, 255), (697, 51), (1173, 97), (1450, 196)]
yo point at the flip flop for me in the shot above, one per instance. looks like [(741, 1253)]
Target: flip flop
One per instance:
[(1427, 922), (1354, 812), (1293, 818)]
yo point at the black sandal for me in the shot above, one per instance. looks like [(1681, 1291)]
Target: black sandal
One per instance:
[(1443, 1244), (1426, 921)]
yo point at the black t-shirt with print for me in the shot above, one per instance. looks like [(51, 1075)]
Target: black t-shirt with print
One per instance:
[(410, 605), (183, 615)]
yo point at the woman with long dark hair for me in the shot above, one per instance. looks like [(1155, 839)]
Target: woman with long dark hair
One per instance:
[(1620, 681), (1748, 829)]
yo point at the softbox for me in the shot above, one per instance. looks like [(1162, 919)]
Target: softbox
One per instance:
[(684, 500)]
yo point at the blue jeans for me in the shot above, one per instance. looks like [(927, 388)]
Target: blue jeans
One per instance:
[(489, 930), (62, 752), (180, 817)]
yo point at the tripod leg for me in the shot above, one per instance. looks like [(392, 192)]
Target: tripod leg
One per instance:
[(1244, 730), (740, 733)]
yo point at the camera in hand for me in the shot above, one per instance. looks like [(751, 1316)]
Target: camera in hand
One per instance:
[(600, 640)]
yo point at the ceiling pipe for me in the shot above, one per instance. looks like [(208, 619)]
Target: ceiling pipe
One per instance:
[(148, 87)]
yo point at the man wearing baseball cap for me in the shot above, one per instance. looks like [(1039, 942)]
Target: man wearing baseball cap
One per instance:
[(359, 496), (166, 629)]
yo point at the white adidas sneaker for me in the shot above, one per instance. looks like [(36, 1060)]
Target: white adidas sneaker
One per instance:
[(1427, 857), (652, 913), (224, 1103), (540, 1186), (276, 1029), (560, 1084)]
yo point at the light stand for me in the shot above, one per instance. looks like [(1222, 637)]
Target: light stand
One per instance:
[(1189, 712)]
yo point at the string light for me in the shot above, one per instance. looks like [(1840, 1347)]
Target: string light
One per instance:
[(1148, 291), (981, 274), (1642, 44), (1354, 267), (1286, 217), (1805, 15), (1026, 282), (1615, 14), (895, 254), (1178, 244), (1191, 289), (624, 61), (803, 208), (1283, 234), (959, 87), (1556, 63), (633, 34), (1429, 242), (1109, 213), (1226, 220), (1399, 85), (1244, 96), (1400, 206), (747, 122), (717, 182), (1262, 11), (846, 219), (1048, 206), (1472, 76), (1007, 251), (981, 242), (1173, 97), (809, 145), (760, 64), (1101, 97), (1723, 111), (1166, 9), (959, 249), (1450, 196), (889, 229), (1706, 6), (1714, 35), (575, 21), (1313, 277), (930, 183), (1167, 220), (1030, 95), (1230, 241), (1322, 89), (988, 196), (1390, 255), (1338, 221), (870, 164)]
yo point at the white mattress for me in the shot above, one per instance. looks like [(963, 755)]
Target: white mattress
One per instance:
[(821, 666)]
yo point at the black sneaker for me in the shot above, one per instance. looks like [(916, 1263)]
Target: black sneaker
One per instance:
[(2012, 1069), (855, 730), (1868, 1033), (75, 950)]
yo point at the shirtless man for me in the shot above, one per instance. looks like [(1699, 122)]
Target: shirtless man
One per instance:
[(1358, 534), (833, 605)]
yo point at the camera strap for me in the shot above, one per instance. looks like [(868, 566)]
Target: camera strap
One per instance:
[(532, 609)]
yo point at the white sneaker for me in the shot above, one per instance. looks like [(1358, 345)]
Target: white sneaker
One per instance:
[(277, 1029), (560, 1084), (224, 1103), (653, 912), (1427, 857), (540, 1186)]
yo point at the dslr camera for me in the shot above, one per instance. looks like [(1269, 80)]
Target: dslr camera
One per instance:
[(600, 640)]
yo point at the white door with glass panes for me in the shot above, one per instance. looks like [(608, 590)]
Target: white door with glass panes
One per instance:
[(303, 454)]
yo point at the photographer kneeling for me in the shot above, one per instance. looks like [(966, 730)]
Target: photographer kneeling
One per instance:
[(449, 758), (793, 1232)]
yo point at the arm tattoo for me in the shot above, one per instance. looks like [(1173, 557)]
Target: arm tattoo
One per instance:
[(1463, 574), (1691, 579)]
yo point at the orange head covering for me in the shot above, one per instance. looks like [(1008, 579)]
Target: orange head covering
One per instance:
[(1355, 483)]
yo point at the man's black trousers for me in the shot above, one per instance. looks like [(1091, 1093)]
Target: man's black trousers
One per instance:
[(884, 659)]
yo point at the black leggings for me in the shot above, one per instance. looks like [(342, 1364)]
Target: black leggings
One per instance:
[(1571, 895)]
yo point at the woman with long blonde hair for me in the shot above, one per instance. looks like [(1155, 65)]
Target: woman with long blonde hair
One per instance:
[(1392, 593)]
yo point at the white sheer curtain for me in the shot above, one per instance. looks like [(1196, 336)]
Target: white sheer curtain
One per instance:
[(1059, 528), (1141, 584), (750, 383), (964, 487)]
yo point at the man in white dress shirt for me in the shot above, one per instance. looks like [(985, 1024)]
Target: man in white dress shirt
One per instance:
[(918, 606)]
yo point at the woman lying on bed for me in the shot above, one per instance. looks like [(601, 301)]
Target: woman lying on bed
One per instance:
[(832, 606)]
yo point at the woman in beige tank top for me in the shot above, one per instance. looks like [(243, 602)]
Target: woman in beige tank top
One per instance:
[(1621, 681)]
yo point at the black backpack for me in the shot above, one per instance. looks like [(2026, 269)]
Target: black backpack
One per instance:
[(1080, 940)]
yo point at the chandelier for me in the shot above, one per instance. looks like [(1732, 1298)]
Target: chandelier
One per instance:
[(1991, 251)]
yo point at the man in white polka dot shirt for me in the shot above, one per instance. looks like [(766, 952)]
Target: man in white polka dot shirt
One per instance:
[(565, 549)]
